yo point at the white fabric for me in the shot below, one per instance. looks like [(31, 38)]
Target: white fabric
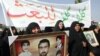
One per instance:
[(12, 39), (25, 54), (22, 12)]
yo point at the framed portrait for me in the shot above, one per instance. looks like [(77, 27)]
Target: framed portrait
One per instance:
[(91, 38), (42, 44)]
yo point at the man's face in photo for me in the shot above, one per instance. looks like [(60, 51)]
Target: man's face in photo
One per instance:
[(43, 49)]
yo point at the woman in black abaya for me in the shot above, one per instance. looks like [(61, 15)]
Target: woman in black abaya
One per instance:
[(95, 50), (77, 42)]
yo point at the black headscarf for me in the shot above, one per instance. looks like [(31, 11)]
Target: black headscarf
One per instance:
[(31, 26), (72, 27), (56, 28), (75, 41), (92, 27), (14, 28), (6, 32), (81, 24)]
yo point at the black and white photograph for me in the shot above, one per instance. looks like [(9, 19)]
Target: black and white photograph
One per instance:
[(90, 36)]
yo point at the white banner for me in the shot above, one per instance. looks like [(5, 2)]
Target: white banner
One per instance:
[(22, 12)]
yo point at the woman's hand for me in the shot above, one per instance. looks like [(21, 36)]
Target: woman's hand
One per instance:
[(91, 54), (84, 44)]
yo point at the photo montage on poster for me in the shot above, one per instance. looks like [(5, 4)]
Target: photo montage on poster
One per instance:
[(42, 44)]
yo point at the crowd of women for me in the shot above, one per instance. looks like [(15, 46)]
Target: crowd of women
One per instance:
[(77, 45)]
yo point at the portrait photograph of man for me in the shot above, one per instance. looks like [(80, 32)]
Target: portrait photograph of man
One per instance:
[(39, 46), (91, 38), (43, 47)]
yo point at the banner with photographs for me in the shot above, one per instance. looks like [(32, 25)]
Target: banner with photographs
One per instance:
[(91, 38), (49, 44)]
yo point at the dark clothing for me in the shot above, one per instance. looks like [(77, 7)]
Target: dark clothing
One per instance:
[(75, 46), (4, 45), (76, 38), (96, 50), (48, 29), (4, 48)]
